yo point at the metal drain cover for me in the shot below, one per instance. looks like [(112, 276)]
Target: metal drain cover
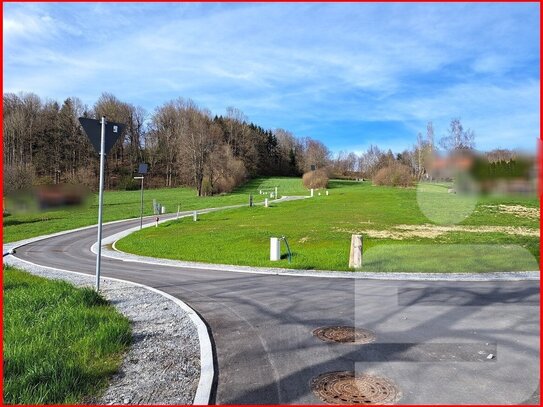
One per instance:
[(344, 334), (346, 388)]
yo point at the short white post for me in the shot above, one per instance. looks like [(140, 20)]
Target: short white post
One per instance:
[(275, 249), (326, 193), (355, 257), (271, 195), (260, 192), (319, 194), (311, 192), (162, 209), (266, 202), (276, 196), (194, 216), (156, 222)]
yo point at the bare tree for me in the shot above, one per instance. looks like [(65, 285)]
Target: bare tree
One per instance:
[(458, 138)]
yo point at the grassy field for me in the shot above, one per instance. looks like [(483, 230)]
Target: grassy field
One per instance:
[(61, 343), (500, 234), (126, 204)]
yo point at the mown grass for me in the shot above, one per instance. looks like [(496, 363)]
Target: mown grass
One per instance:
[(319, 230), (126, 204), (61, 343)]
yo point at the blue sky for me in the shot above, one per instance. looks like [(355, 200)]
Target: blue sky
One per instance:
[(350, 74)]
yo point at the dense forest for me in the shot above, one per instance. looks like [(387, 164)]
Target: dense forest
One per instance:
[(184, 144)]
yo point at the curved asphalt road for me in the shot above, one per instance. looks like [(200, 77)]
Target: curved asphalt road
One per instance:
[(433, 338)]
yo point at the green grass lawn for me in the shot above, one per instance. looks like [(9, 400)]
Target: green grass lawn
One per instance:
[(319, 230), (61, 343), (126, 204)]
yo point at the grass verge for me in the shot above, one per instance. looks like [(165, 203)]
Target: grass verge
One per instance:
[(500, 233), (126, 204), (61, 343)]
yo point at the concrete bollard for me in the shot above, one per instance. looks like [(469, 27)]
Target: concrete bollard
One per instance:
[(194, 216), (156, 222), (260, 192), (162, 209), (276, 196), (355, 257), (311, 192), (326, 193), (275, 249), (266, 202)]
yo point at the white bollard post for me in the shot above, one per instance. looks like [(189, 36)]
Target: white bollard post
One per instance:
[(275, 249), (156, 222), (194, 216), (260, 192), (271, 195), (266, 202), (319, 194), (162, 209), (326, 193), (311, 192), (276, 196), (355, 257)]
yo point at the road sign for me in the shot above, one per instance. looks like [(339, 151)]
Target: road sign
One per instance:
[(92, 128), (143, 167), (103, 136)]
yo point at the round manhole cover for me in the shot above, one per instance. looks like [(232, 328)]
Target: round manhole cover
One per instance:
[(346, 388), (344, 334)]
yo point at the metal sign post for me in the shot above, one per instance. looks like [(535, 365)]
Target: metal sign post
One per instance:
[(141, 206), (101, 198), (103, 136)]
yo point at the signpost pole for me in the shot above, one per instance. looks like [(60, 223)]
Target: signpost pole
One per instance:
[(100, 199), (141, 213)]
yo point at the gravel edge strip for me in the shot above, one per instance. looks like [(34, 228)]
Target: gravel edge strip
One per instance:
[(163, 364)]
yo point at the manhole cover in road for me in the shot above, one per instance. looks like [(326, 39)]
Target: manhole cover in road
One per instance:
[(344, 334), (346, 388)]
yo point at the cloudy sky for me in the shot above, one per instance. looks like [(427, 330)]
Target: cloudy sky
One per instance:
[(348, 74)]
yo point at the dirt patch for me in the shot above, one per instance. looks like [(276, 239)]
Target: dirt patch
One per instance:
[(402, 232), (516, 210)]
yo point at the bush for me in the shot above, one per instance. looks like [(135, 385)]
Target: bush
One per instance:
[(395, 175), (18, 178), (316, 179)]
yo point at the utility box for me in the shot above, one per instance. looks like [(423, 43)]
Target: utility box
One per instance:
[(275, 249)]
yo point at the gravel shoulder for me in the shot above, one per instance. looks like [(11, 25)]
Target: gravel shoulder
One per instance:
[(162, 365)]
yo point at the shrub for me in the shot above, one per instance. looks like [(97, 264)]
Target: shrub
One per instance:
[(316, 179), (396, 175), (18, 178)]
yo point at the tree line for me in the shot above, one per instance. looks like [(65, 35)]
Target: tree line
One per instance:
[(183, 143)]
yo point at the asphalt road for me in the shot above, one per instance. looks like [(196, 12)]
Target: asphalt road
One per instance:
[(433, 338)]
